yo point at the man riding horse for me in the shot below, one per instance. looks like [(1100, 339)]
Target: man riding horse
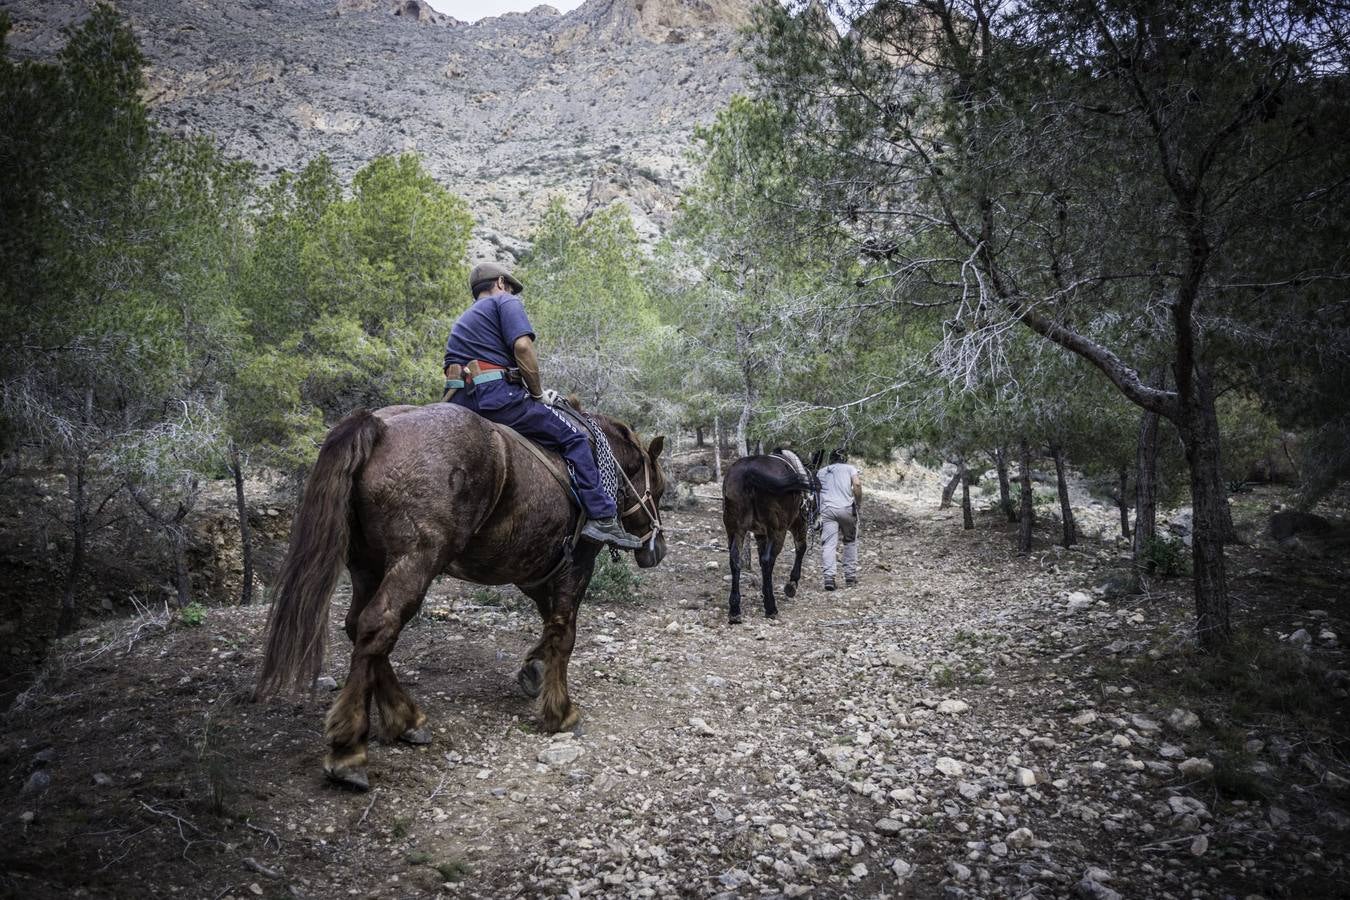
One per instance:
[(491, 367), (402, 494)]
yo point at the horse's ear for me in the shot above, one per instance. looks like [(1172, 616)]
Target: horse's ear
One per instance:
[(656, 446), (574, 401)]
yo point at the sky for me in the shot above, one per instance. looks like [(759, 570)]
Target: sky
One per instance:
[(473, 10)]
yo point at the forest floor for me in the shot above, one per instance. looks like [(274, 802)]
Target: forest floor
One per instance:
[(964, 722)]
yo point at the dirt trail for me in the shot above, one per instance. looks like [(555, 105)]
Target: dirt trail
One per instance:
[(961, 723)]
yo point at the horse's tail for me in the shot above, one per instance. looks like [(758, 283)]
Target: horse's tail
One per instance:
[(298, 628), (771, 483)]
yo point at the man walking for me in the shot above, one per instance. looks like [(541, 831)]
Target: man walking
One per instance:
[(840, 500), (489, 344)]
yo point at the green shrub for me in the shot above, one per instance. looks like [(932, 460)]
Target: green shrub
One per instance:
[(1167, 556), (192, 615), (614, 582)]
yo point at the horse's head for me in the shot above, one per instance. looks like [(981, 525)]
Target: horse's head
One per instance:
[(641, 485)]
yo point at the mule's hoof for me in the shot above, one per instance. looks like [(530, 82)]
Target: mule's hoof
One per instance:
[(734, 620), (417, 736), (571, 721), (351, 777), (790, 589), (530, 678)]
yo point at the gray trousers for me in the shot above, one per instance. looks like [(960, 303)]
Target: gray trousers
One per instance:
[(833, 522)]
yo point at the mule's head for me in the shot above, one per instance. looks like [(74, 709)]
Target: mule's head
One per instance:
[(640, 491)]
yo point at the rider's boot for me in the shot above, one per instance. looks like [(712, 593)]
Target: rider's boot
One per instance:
[(609, 531)]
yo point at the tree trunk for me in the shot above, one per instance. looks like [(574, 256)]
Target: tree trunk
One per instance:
[(1146, 483), (742, 430), (950, 490), (698, 435), (175, 531), (967, 517), (717, 448), (1205, 391), (245, 533), (69, 619), (1065, 508), (1004, 494), (1028, 511), (1209, 507), (1122, 504)]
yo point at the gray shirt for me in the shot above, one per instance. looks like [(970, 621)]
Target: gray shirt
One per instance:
[(836, 486)]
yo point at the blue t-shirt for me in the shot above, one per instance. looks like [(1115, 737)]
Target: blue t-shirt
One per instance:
[(488, 331)]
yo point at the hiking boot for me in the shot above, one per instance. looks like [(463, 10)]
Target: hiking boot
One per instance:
[(850, 580), (609, 531), (829, 582)]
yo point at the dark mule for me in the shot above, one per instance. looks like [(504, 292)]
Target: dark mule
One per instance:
[(765, 496), (404, 494)]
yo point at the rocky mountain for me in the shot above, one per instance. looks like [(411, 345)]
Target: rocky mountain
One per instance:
[(596, 106)]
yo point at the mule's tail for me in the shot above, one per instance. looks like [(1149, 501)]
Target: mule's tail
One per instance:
[(775, 483), (297, 631)]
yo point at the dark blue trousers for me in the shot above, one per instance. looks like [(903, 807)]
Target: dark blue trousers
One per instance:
[(511, 405)]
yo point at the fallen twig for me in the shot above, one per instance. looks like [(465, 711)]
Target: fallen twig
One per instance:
[(251, 863), (270, 834), (361, 821), (440, 787)]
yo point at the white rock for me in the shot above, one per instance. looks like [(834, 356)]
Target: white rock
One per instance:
[(1019, 838), (1183, 720), (1087, 717), (838, 757), (560, 754), (958, 871), (1199, 845), (888, 826), (702, 727), (1079, 600), (953, 707), (778, 832), (901, 869), (1144, 724), (1025, 777), (1196, 768), (1300, 638), (326, 683), (950, 767)]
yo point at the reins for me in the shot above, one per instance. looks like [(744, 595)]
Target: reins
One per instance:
[(644, 500)]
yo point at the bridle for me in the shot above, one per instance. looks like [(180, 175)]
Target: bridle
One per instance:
[(643, 501)]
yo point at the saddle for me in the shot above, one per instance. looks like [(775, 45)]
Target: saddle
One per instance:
[(562, 473)]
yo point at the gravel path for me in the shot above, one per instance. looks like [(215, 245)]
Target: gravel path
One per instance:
[(963, 723)]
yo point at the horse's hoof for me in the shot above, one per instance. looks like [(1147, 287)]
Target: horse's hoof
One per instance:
[(419, 737), (790, 589), (734, 620), (771, 617), (572, 721), (351, 777), (530, 678)]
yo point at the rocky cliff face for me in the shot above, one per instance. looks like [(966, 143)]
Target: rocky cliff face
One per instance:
[(596, 106)]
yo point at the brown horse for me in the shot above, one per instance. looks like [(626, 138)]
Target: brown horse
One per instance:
[(406, 493), (764, 496)]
